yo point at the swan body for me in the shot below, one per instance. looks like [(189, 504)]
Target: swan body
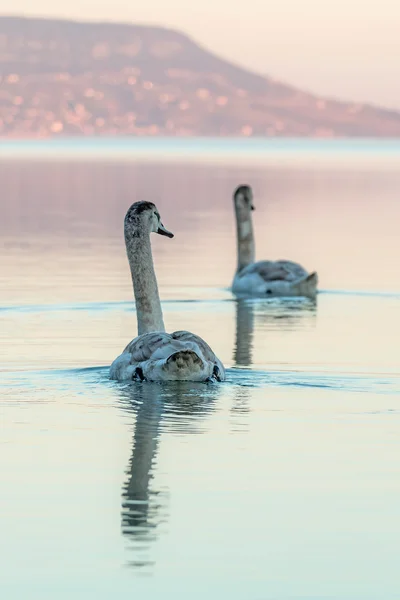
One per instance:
[(155, 355), (274, 278), (265, 277), (160, 356)]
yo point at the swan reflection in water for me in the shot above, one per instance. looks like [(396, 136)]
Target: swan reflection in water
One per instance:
[(180, 408), (285, 314), (161, 409), (280, 313)]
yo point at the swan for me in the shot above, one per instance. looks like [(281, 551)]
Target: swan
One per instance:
[(265, 277), (155, 355)]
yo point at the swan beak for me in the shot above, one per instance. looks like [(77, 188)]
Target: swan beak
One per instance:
[(162, 231)]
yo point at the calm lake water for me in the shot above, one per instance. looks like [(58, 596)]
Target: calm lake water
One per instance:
[(281, 483)]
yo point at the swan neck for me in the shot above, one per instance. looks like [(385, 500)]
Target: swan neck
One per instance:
[(245, 238), (148, 305)]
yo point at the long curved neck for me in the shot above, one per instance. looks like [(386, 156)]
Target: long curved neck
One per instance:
[(245, 238), (148, 305)]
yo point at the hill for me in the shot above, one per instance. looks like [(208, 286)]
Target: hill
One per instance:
[(69, 78)]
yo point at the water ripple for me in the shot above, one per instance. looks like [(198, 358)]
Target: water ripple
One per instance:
[(377, 383), (128, 305)]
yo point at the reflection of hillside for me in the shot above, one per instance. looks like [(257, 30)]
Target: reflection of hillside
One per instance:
[(83, 201), (90, 198), (160, 411)]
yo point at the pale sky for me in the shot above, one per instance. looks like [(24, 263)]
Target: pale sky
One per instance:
[(348, 49)]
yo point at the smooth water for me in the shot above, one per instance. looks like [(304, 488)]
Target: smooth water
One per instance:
[(281, 483)]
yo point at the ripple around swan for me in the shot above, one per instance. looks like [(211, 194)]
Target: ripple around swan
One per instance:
[(217, 295), (97, 377), (100, 306)]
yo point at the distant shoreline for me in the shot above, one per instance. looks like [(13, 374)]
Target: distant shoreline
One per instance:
[(277, 152)]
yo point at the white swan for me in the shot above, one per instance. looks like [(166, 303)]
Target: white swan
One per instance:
[(156, 355), (265, 277)]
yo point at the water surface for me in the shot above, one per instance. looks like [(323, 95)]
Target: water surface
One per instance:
[(281, 483)]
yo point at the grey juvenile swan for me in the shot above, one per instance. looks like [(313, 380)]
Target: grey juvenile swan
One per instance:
[(155, 355), (265, 277)]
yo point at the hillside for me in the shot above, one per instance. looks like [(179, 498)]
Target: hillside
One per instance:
[(66, 78)]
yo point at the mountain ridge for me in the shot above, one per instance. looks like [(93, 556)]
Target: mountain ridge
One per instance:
[(62, 77)]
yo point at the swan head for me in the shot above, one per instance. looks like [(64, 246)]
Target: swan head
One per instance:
[(144, 217), (243, 199)]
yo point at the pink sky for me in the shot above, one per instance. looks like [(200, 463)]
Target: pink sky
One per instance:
[(348, 49)]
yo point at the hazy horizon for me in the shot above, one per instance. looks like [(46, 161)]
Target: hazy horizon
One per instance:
[(298, 45)]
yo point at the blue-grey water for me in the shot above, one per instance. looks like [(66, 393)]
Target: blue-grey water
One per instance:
[(281, 483)]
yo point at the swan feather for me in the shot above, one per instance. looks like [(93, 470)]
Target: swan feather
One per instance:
[(275, 278), (165, 356)]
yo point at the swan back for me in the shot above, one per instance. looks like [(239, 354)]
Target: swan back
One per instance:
[(161, 356)]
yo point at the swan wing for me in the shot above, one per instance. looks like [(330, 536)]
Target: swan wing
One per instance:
[(149, 346), (278, 270), (191, 339), (165, 356)]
